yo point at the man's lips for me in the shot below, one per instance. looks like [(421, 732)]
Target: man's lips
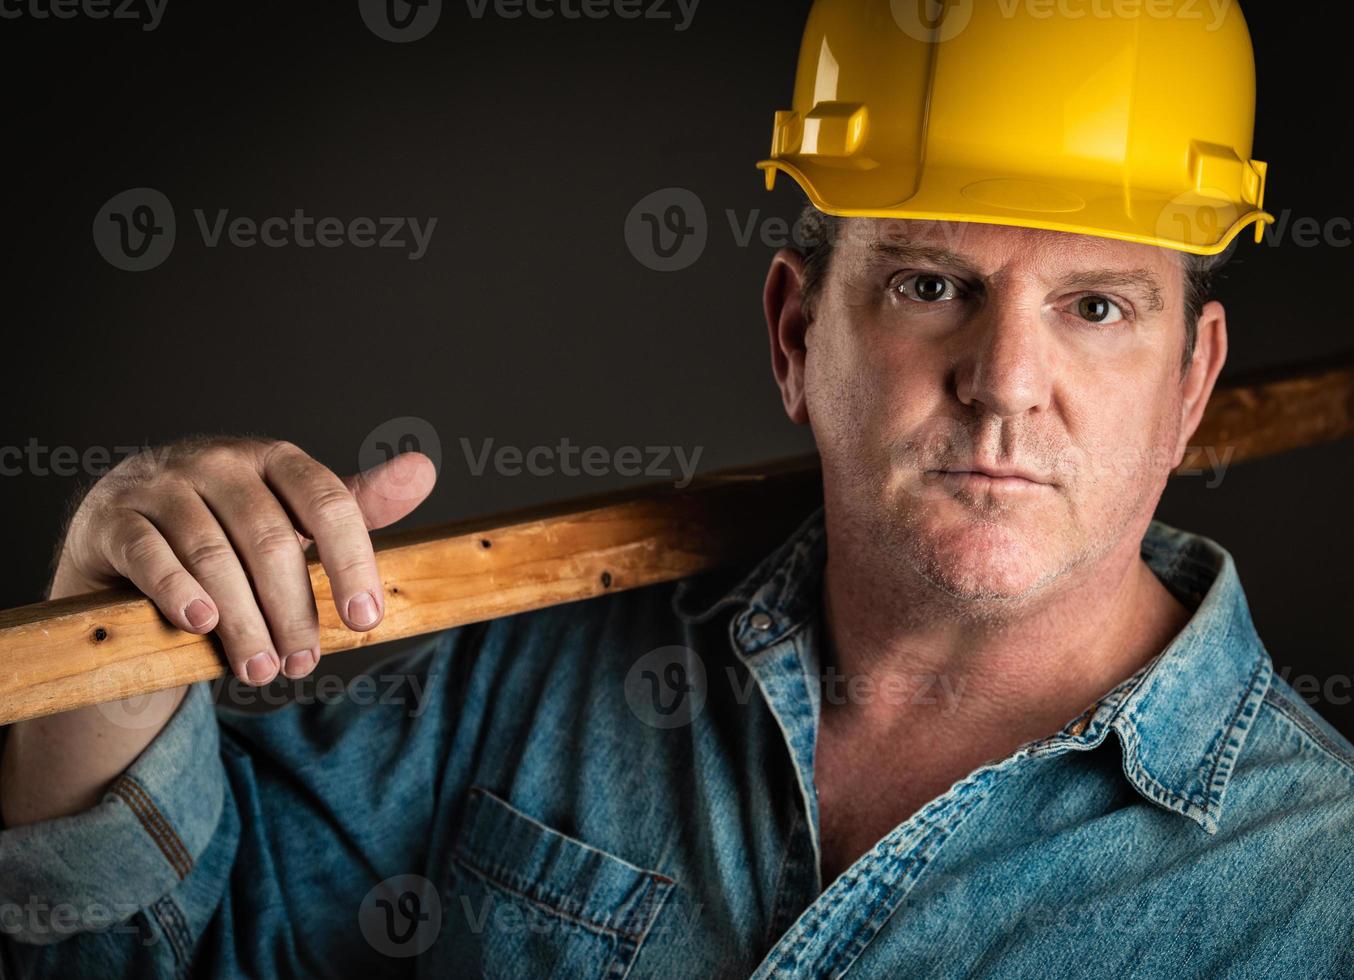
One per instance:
[(992, 477)]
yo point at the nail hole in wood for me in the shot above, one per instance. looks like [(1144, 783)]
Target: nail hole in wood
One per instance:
[(486, 543), (100, 634), (606, 580)]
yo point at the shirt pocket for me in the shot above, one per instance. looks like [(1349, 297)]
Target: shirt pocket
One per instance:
[(529, 901)]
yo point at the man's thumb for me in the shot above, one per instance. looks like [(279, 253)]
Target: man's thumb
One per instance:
[(392, 489)]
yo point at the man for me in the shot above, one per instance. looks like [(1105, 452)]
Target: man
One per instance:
[(978, 716)]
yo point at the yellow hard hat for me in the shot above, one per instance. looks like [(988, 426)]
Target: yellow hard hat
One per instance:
[(1127, 119)]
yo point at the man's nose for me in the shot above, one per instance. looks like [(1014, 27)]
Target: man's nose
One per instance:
[(1004, 360)]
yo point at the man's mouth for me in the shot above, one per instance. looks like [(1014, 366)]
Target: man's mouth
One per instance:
[(999, 478)]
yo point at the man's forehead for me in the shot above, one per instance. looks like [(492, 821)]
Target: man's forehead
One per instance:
[(979, 243)]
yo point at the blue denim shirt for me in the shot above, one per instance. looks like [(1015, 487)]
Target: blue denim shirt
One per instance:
[(623, 787)]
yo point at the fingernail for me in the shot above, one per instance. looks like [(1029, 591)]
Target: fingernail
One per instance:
[(298, 663), (260, 667), (362, 609), (198, 613)]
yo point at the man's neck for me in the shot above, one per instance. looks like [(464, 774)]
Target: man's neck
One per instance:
[(997, 679)]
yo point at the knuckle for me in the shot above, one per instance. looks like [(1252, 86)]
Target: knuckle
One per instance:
[(213, 457), (334, 506), (350, 566), (167, 583), (139, 548), (283, 448), (212, 556), (275, 541)]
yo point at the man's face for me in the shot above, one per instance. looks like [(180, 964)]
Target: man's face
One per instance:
[(997, 405)]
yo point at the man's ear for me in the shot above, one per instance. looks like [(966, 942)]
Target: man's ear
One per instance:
[(787, 325), (1210, 353)]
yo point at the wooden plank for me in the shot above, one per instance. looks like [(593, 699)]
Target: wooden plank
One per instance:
[(1255, 420), (82, 650)]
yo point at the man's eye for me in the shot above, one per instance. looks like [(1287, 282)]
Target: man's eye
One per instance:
[(1098, 309), (927, 288)]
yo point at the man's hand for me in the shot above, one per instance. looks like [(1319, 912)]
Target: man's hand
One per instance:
[(215, 531)]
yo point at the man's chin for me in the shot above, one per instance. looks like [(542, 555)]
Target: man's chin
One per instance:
[(976, 559)]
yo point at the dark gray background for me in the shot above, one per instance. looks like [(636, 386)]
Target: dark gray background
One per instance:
[(529, 319)]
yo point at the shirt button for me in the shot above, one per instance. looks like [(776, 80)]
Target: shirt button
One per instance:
[(760, 621)]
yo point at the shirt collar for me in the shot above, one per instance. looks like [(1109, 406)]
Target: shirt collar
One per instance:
[(1181, 719)]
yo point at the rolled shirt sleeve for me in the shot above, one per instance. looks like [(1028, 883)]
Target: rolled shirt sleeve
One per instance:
[(227, 845), (92, 871)]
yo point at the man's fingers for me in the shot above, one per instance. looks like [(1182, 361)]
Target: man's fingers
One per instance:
[(140, 554), (265, 540), (328, 512), (202, 546)]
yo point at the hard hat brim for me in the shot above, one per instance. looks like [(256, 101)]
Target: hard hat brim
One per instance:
[(1196, 222)]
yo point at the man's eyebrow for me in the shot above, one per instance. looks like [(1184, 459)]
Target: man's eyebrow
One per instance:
[(917, 252), (1143, 280)]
